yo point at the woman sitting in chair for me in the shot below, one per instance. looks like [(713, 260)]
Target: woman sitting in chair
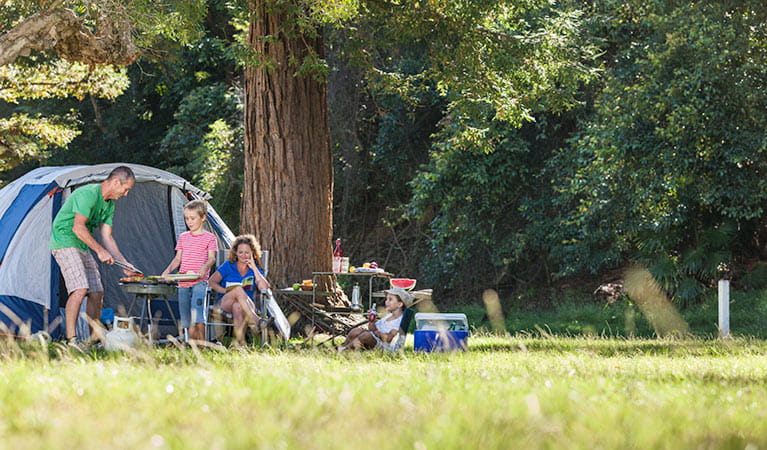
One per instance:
[(383, 333), (234, 282)]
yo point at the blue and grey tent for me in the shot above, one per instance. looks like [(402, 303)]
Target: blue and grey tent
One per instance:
[(146, 225)]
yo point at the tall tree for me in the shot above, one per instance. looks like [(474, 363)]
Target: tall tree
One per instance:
[(287, 193)]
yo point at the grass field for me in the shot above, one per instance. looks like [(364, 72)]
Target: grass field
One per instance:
[(506, 392)]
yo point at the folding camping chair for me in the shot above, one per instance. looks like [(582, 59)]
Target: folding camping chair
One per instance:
[(217, 320), (399, 340)]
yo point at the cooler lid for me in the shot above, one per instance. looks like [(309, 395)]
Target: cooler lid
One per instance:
[(441, 321)]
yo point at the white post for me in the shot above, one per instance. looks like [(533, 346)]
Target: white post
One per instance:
[(724, 308)]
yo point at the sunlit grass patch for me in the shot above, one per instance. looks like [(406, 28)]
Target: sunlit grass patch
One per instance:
[(505, 392)]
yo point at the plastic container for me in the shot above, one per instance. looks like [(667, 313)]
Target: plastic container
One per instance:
[(440, 341), (440, 332), (122, 337)]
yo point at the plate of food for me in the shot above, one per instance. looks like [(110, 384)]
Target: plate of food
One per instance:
[(182, 276)]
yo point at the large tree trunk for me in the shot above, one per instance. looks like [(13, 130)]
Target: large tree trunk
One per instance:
[(288, 186)]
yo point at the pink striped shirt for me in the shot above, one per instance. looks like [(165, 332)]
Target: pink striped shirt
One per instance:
[(194, 254)]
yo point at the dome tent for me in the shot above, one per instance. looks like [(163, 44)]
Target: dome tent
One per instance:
[(146, 224)]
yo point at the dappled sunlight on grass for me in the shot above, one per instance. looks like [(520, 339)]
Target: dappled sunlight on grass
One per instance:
[(536, 389), (505, 392)]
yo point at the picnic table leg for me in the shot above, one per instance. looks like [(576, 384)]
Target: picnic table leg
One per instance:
[(149, 318), (143, 312)]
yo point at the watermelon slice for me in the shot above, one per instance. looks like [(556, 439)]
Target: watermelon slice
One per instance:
[(404, 283)]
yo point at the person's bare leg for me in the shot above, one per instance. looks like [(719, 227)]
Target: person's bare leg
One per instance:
[(249, 309), (231, 298), (72, 310), (231, 303), (93, 308), (360, 338), (197, 331), (239, 323), (352, 336), (367, 340)]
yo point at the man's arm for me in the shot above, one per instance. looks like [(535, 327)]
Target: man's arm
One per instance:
[(111, 246), (82, 233)]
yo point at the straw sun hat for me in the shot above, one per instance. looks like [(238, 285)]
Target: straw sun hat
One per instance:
[(406, 297)]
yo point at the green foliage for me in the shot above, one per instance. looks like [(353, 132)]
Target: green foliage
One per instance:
[(489, 66), (14, 11), (205, 145), (472, 198), (308, 17), (662, 167), (150, 22), (516, 58), (668, 167), (180, 114), (26, 137), (173, 20), (38, 77), (197, 110), (204, 141), (216, 166), (756, 277), (33, 79)]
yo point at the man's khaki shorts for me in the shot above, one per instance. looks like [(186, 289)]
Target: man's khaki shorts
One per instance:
[(79, 269)]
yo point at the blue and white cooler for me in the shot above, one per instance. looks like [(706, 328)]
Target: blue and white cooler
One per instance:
[(439, 332)]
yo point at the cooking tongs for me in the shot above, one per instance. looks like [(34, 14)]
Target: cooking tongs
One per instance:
[(128, 267)]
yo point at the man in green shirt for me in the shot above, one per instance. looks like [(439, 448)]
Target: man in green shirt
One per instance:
[(88, 208)]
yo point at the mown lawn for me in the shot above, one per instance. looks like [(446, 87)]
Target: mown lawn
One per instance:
[(506, 392)]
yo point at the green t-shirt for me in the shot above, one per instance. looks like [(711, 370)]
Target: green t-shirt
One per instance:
[(87, 201)]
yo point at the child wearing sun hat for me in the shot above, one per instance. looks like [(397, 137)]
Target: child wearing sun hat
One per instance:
[(384, 333)]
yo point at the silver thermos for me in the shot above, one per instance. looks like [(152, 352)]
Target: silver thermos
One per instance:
[(356, 297)]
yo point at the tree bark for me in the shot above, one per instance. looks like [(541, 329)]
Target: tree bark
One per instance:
[(288, 185)]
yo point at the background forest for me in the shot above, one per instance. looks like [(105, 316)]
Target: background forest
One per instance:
[(652, 150)]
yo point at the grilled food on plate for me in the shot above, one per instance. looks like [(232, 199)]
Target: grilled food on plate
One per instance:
[(134, 279)]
